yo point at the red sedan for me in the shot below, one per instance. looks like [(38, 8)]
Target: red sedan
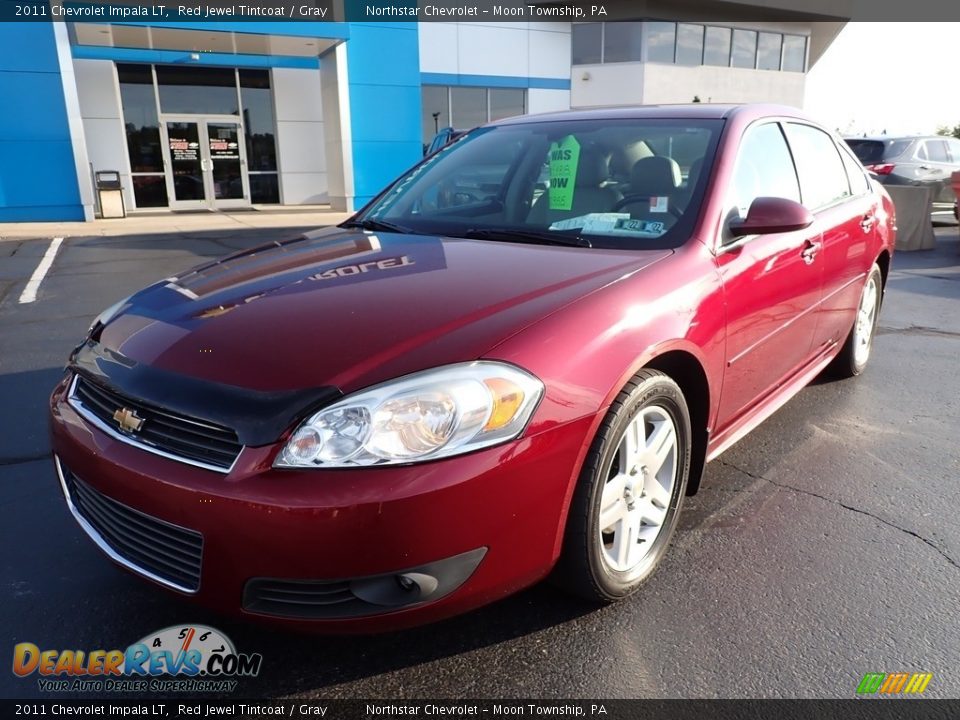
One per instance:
[(515, 361)]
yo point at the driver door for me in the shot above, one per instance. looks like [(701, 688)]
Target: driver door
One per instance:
[(772, 283)]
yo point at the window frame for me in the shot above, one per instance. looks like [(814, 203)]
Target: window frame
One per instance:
[(725, 241), (833, 140)]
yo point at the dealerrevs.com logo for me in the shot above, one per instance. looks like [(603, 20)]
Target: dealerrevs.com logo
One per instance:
[(185, 658)]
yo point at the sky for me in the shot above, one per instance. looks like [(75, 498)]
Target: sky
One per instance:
[(900, 77)]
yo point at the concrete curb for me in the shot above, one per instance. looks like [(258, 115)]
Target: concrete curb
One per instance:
[(157, 224)]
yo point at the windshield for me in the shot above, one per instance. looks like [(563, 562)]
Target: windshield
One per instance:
[(633, 183)]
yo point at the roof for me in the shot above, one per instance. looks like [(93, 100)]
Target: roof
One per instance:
[(690, 111)]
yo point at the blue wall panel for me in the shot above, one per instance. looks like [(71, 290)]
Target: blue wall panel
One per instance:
[(383, 65), (38, 177)]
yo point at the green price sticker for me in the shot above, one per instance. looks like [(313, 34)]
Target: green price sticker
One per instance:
[(564, 159)]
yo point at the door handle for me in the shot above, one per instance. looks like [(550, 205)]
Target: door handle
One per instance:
[(866, 224), (810, 250)]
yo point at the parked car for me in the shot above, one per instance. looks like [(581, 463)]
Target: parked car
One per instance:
[(921, 160), (447, 399)]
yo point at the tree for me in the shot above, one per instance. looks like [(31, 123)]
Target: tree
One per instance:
[(949, 131), (696, 98)]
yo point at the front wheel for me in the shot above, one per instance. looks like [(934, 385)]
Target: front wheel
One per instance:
[(627, 501), (855, 354)]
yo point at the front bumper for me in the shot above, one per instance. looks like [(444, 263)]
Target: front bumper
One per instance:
[(503, 508)]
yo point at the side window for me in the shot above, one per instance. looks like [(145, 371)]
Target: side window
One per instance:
[(764, 168), (922, 151), (859, 183), (937, 151), (954, 146), (823, 177)]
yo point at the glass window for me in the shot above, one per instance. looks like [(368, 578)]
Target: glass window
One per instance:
[(922, 151), (506, 102), (954, 146), (586, 43), (689, 44), (257, 101), (937, 151), (149, 191), (823, 178), (469, 107), (206, 90), (716, 46), (622, 41), (768, 52), (264, 188), (764, 168), (661, 40), (859, 183), (140, 118), (488, 182), (794, 53), (744, 49), (436, 110)]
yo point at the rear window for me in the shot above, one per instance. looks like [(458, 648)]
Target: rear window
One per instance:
[(874, 151)]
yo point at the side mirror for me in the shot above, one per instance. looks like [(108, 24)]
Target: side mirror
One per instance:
[(768, 215)]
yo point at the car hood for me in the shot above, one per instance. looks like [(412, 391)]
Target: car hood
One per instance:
[(348, 308)]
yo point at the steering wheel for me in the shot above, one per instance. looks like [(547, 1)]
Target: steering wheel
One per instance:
[(631, 199)]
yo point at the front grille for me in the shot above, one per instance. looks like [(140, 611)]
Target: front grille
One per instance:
[(310, 599), (179, 437), (150, 546)]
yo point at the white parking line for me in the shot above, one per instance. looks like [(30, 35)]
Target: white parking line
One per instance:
[(29, 293)]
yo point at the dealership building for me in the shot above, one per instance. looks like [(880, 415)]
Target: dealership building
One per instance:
[(225, 115)]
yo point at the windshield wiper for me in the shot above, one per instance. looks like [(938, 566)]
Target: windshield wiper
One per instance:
[(371, 224), (529, 236)]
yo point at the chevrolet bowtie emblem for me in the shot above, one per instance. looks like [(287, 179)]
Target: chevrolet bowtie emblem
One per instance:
[(128, 420)]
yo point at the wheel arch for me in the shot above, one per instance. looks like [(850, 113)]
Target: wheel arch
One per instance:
[(883, 261), (687, 371)]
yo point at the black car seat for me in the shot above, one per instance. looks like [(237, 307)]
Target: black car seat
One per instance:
[(590, 194)]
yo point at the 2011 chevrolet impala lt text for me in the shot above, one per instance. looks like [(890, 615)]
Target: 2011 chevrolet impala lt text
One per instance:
[(513, 363)]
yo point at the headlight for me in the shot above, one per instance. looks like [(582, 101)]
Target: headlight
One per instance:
[(427, 415)]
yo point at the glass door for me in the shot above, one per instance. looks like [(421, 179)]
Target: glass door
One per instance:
[(186, 186), (206, 161), (228, 177)]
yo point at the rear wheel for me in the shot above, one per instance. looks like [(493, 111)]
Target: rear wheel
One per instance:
[(628, 497), (855, 355)]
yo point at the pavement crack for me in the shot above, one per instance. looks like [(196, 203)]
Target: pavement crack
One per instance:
[(851, 508), (917, 330)]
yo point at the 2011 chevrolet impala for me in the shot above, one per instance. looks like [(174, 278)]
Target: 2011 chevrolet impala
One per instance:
[(514, 362)]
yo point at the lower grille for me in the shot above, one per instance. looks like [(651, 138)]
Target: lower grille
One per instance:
[(302, 598), (169, 434), (369, 595), (167, 553)]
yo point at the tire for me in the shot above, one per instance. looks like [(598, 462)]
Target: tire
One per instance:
[(855, 354), (606, 564)]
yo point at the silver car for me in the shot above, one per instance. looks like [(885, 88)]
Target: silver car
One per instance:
[(920, 160)]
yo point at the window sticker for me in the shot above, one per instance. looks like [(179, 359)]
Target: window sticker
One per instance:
[(650, 228), (592, 222), (658, 204), (564, 159)]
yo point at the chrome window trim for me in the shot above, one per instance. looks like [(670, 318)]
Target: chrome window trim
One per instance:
[(108, 550), (75, 402)]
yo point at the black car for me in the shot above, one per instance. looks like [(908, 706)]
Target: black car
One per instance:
[(921, 160)]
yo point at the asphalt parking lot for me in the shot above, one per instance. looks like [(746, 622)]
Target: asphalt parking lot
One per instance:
[(823, 546)]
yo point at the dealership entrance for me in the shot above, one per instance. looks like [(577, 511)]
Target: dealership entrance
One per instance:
[(206, 166)]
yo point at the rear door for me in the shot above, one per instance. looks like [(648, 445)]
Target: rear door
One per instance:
[(938, 160), (772, 283), (834, 187)]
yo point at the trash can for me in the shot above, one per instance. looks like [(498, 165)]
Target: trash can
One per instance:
[(110, 194)]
